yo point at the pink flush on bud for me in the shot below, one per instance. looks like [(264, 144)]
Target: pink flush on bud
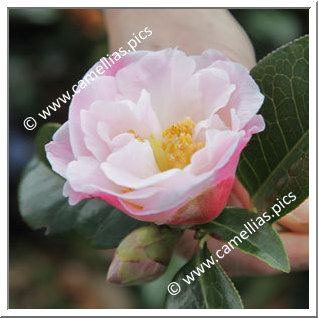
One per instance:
[(160, 136)]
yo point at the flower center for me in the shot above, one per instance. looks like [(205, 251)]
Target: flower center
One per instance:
[(177, 147)]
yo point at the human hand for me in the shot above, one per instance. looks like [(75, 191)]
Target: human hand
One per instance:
[(191, 30)]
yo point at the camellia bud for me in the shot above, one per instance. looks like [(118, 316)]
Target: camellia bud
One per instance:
[(143, 255)]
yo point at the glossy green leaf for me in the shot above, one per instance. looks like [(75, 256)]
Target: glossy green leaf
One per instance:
[(203, 285), (42, 205), (260, 239), (275, 162), (44, 136)]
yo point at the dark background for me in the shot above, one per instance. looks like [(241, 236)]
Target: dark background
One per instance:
[(49, 51)]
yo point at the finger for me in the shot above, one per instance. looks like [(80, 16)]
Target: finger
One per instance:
[(239, 197), (297, 247), (297, 220)]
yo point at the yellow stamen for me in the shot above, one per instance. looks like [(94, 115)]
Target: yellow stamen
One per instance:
[(131, 131), (127, 190), (177, 147)]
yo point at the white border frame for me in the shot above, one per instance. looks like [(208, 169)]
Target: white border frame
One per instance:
[(312, 165)]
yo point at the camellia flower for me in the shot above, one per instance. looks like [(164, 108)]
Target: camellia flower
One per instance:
[(159, 135)]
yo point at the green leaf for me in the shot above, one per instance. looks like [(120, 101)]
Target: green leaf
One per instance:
[(261, 241), (42, 205), (44, 136), (209, 288), (275, 162)]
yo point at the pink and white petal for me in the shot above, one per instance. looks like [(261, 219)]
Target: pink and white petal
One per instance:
[(154, 72), (149, 122), (195, 203), (102, 89), (216, 89), (204, 207), (117, 117), (110, 197), (170, 193), (142, 194), (207, 58), (117, 142), (134, 166), (121, 141), (103, 132), (73, 196), (228, 170), (135, 198), (59, 151), (143, 215), (235, 120), (157, 208), (255, 125), (105, 66), (246, 99), (98, 147), (85, 176), (213, 122), (128, 165), (220, 145), (121, 116), (163, 75), (173, 193)]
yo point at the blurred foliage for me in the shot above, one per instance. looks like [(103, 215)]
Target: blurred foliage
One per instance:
[(49, 51), (269, 29)]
